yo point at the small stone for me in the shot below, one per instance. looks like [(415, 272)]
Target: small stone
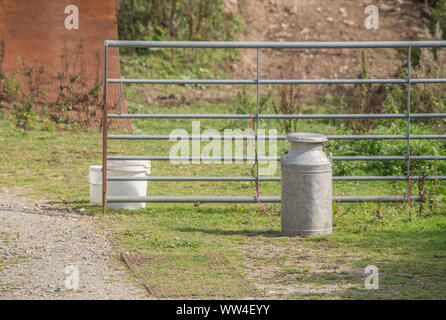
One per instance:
[(329, 19), (318, 9), (82, 209)]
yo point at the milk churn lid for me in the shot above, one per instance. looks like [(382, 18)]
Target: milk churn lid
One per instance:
[(307, 137)]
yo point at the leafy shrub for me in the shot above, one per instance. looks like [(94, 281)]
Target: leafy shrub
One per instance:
[(386, 148), (176, 20), (425, 97), (244, 102), (287, 102), (23, 93), (438, 16), (21, 97), (161, 20)]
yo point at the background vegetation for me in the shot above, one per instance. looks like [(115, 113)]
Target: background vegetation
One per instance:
[(176, 19)]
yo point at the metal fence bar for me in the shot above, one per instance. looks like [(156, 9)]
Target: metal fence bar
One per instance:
[(249, 199), (248, 158), (220, 179), (271, 81), (415, 81), (272, 45), (254, 82), (387, 178), (205, 138), (279, 116), (367, 158), (257, 125)]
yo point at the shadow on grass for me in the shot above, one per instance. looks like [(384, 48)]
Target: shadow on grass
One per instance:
[(75, 206), (247, 233)]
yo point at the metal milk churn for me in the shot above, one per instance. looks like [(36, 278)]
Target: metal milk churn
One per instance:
[(306, 187)]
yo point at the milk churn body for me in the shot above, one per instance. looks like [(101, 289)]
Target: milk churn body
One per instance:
[(306, 187)]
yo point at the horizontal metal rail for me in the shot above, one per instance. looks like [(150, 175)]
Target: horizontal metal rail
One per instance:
[(279, 116), (283, 81), (274, 45), (271, 137), (336, 158), (248, 199), (336, 178)]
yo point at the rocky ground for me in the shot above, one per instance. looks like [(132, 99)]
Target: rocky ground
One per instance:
[(37, 244)]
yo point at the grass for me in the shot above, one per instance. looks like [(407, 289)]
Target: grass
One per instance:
[(225, 250), (233, 250)]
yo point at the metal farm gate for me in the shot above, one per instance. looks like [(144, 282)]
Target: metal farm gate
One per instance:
[(258, 116)]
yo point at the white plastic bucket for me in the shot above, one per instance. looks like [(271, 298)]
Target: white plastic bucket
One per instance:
[(127, 168), (95, 178)]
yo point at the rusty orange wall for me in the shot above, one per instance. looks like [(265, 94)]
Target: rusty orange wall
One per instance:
[(34, 30)]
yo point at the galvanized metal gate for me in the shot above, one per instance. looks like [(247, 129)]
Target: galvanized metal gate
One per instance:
[(258, 116)]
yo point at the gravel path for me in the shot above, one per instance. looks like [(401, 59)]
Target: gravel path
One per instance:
[(37, 244)]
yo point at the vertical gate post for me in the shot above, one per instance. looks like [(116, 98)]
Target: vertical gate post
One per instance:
[(409, 179), (257, 125), (104, 130)]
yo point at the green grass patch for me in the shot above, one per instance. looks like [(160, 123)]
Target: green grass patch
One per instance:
[(235, 250)]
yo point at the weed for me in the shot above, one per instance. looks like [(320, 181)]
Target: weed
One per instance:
[(75, 93), (21, 97), (438, 16), (287, 103), (425, 97), (243, 102), (24, 94)]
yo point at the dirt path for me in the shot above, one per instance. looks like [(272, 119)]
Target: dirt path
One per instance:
[(38, 242)]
